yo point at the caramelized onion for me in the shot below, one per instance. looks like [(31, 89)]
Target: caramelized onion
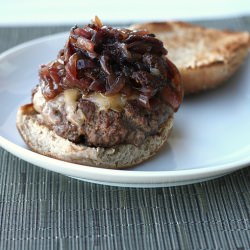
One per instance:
[(124, 50), (82, 33), (144, 100), (148, 91), (105, 64), (54, 75), (71, 66), (97, 22), (44, 71), (85, 64), (67, 51), (85, 44), (97, 85), (98, 58), (72, 81), (116, 86)]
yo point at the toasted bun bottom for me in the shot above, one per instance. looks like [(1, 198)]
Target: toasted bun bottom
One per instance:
[(46, 142)]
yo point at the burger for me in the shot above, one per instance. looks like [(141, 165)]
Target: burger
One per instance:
[(107, 100)]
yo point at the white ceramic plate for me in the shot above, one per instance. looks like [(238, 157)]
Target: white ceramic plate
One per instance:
[(211, 135)]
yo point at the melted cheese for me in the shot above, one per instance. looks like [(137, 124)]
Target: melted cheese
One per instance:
[(74, 115), (70, 97), (114, 102), (68, 101)]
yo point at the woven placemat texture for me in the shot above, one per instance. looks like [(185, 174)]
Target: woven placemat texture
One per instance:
[(40, 209)]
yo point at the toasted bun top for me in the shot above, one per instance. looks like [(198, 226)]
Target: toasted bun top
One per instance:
[(205, 57), (192, 46)]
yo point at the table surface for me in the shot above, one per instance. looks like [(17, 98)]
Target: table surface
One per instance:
[(40, 209)]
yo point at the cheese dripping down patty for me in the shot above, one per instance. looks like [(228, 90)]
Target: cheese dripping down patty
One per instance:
[(68, 100)]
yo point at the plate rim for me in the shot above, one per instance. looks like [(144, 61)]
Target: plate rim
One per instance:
[(134, 177), (152, 177)]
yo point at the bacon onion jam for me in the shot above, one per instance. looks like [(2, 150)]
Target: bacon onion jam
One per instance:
[(108, 86)]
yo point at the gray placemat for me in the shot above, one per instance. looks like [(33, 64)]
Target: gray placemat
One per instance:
[(40, 209)]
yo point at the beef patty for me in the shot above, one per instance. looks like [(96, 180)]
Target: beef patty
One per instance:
[(87, 123)]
